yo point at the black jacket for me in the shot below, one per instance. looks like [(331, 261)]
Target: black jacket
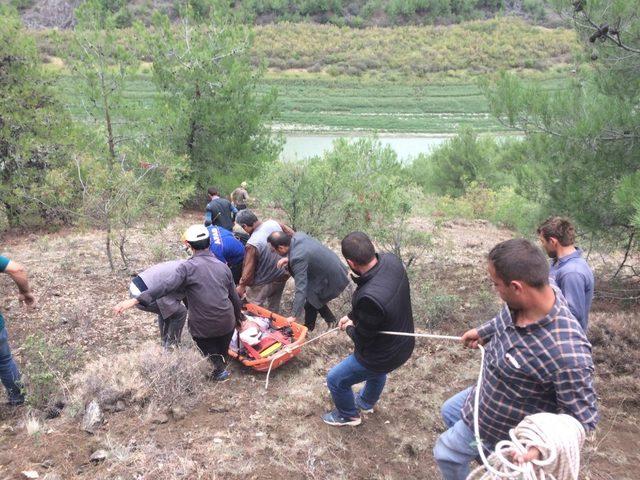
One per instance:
[(220, 213), (382, 301)]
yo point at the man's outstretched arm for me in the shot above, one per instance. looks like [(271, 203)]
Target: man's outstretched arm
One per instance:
[(18, 274)]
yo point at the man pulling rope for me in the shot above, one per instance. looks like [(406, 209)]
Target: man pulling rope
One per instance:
[(537, 359)]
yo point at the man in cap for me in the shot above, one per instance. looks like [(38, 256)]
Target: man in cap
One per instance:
[(319, 274), (240, 196), (214, 305), (170, 310)]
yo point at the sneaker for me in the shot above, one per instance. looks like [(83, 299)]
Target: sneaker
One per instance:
[(334, 418), (223, 376), (360, 406)]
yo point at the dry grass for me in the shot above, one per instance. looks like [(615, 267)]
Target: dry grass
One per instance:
[(33, 424), (148, 375), (616, 352)]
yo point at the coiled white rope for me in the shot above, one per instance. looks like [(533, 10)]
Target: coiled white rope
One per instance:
[(559, 439)]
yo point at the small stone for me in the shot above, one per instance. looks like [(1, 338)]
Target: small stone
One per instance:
[(178, 413), (30, 474), (120, 406), (52, 476), (99, 456), (260, 434), (92, 417), (48, 463), (160, 419), (217, 440)]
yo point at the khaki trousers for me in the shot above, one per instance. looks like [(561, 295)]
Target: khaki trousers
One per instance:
[(267, 295)]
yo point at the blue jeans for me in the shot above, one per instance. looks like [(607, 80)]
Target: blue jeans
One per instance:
[(9, 373), (347, 373), (455, 448)]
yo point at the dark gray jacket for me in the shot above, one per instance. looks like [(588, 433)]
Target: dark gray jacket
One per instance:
[(214, 305), (155, 275), (319, 274)]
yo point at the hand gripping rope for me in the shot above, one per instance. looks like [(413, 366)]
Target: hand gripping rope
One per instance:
[(558, 437)]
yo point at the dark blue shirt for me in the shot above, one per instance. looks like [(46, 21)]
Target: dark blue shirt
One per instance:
[(225, 246), (4, 261), (573, 276)]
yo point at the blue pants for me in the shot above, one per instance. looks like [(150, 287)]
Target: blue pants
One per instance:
[(347, 373), (9, 373), (455, 448)]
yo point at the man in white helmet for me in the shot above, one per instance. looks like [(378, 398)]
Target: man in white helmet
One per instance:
[(214, 305)]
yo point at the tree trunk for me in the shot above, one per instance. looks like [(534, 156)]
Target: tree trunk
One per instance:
[(108, 245)]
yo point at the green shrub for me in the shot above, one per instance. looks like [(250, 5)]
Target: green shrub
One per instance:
[(46, 368), (513, 211), (441, 308), (458, 163)]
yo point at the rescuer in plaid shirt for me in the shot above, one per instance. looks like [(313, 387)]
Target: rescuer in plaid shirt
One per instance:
[(538, 359)]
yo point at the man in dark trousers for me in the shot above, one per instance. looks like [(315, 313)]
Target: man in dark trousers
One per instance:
[(170, 310), (381, 302), (214, 305), (319, 274), (220, 211)]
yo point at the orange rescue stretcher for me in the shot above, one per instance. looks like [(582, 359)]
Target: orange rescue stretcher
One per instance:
[(260, 356)]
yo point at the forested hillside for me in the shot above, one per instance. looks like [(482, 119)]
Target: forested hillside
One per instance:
[(352, 13)]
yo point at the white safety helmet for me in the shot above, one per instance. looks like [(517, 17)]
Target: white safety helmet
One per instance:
[(197, 236)]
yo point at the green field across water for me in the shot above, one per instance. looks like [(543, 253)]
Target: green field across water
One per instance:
[(345, 105)]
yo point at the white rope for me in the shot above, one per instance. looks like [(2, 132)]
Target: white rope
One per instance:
[(559, 439), (423, 335), (289, 348)]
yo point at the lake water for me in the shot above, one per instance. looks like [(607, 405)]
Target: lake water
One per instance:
[(301, 146)]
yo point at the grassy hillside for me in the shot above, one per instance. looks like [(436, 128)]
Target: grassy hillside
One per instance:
[(455, 51)]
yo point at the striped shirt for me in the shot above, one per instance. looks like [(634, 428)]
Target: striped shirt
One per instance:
[(542, 367)]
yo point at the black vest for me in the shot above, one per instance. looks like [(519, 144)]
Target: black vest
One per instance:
[(387, 286)]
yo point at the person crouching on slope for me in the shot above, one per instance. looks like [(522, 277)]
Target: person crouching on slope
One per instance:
[(381, 301), (214, 305)]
